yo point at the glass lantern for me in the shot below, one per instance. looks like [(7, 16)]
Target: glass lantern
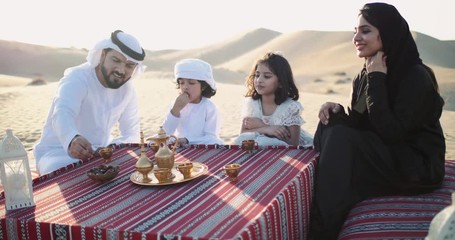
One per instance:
[(15, 173), (443, 224)]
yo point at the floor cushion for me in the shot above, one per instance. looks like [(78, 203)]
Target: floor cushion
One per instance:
[(399, 217)]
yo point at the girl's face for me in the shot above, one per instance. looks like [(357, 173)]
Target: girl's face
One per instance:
[(265, 81), (192, 88), (366, 39)]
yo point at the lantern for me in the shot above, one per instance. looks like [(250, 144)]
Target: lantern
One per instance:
[(443, 224), (15, 173)]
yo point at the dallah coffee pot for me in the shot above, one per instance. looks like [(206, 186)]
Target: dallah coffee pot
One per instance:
[(164, 157)]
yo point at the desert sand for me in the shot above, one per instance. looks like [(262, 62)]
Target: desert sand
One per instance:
[(24, 108)]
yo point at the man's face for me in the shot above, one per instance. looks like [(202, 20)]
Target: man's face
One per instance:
[(115, 69)]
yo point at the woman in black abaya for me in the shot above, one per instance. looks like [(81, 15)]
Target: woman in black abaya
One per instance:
[(389, 141)]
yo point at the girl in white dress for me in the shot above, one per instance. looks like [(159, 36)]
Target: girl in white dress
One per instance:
[(271, 112), (193, 118)]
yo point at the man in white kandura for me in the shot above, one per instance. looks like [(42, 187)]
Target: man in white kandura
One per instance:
[(91, 99)]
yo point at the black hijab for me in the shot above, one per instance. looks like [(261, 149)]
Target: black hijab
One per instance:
[(397, 41), (397, 44)]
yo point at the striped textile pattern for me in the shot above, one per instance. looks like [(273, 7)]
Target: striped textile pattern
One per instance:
[(271, 200), (399, 217)]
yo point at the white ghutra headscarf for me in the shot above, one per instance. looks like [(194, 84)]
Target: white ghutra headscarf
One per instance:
[(121, 42)]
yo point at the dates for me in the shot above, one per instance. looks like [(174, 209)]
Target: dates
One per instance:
[(103, 172)]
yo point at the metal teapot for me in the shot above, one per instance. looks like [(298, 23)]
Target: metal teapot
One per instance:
[(164, 157)]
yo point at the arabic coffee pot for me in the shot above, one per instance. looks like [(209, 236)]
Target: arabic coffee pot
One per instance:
[(164, 157)]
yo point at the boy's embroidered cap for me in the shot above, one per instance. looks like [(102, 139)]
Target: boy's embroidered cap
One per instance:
[(195, 69)]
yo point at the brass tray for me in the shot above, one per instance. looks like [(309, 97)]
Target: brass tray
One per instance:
[(199, 169)]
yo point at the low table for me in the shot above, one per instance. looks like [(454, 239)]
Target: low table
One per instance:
[(271, 200)]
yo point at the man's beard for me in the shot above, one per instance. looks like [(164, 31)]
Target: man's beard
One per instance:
[(112, 83)]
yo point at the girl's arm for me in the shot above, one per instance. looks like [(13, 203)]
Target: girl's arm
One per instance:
[(295, 135), (252, 123), (278, 131)]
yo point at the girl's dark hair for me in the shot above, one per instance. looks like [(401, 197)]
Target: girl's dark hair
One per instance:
[(207, 91), (281, 68)]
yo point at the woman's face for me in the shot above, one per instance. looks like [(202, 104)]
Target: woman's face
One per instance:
[(366, 39), (191, 87)]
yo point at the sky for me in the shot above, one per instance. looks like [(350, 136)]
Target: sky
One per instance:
[(184, 24)]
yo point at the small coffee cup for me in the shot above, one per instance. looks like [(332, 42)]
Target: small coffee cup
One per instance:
[(164, 175), (186, 169), (248, 145), (232, 171), (106, 153)]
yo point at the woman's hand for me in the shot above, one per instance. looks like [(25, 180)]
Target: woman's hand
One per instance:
[(376, 63), (326, 109)]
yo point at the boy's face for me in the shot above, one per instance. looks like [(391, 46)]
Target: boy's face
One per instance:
[(191, 87)]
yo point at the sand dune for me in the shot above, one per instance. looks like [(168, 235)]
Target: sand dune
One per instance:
[(323, 63), (311, 53)]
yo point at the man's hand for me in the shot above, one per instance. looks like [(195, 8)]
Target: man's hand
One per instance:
[(80, 148), (183, 141)]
